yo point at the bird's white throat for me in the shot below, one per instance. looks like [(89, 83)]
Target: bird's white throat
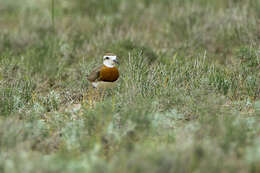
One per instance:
[(108, 64)]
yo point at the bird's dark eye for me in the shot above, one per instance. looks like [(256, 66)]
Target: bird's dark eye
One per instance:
[(106, 57)]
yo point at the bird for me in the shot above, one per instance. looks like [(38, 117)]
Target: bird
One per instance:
[(104, 76)]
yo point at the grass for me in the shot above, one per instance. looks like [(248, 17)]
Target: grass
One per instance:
[(188, 97)]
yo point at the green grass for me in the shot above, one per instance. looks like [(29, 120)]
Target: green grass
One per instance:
[(188, 97)]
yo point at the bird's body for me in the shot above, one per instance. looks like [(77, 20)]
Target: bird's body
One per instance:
[(105, 75)]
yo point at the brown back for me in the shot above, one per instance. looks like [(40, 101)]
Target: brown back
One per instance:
[(94, 75)]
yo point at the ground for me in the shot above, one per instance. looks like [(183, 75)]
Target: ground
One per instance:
[(188, 97)]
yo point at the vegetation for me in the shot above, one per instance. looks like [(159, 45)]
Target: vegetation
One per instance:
[(188, 98)]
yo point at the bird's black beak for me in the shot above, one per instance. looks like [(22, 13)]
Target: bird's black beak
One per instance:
[(116, 61)]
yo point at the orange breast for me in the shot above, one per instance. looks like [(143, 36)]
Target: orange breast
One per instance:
[(109, 74)]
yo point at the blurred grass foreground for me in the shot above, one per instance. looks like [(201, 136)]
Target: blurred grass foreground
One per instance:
[(188, 97)]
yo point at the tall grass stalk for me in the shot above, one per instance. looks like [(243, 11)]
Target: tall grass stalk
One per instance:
[(53, 15)]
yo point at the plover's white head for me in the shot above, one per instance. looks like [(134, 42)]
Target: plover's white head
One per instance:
[(110, 60)]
